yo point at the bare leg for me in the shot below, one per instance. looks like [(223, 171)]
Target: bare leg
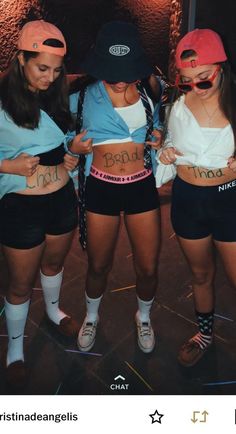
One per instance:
[(228, 254), (199, 254), (23, 266), (102, 236), (144, 234), (56, 250)]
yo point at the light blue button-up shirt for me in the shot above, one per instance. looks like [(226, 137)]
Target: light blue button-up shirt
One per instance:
[(102, 122), (14, 140)]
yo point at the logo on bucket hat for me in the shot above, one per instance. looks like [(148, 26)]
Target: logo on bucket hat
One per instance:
[(117, 54), (119, 50)]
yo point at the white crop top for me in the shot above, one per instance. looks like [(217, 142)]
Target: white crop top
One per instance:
[(134, 116), (202, 147)]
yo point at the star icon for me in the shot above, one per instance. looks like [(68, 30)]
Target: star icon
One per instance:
[(156, 417)]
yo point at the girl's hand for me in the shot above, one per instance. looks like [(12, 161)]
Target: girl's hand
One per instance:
[(70, 162), (23, 165), (157, 134), (232, 164), (169, 155), (81, 147)]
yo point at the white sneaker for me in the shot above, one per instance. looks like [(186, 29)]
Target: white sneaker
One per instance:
[(87, 334), (146, 337)]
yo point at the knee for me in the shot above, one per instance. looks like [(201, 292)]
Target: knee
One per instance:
[(147, 271), (202, 278), (20, 290), (98, 269), (51, 269)]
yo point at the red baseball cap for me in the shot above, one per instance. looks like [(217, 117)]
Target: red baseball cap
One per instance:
[(34, 35), (206, 43)]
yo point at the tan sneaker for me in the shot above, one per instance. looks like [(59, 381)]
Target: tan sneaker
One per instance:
[(191, 352), (87, 335), (146, 337)]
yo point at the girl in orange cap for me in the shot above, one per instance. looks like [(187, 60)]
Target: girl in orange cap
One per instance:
[(38, 205)]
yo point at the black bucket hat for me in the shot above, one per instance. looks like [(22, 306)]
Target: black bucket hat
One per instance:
[(117, 54)]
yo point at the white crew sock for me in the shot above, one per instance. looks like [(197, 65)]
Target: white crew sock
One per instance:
[(51, 286), (16, 315), (92, 305), (144, 308)]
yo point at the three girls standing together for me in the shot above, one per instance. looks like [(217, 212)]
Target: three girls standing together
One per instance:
[(120, 135)]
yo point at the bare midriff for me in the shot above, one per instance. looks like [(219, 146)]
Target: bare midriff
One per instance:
[(119, 158), (46, 179), (205, 177)]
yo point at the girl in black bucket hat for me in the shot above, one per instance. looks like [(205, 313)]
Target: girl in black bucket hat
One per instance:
[(116, 60), (122, 120)]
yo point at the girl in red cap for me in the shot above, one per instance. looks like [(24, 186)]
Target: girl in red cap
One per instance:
[(38, 205), (200, 147)]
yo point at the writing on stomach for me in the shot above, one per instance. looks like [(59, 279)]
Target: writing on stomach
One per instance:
[(203, 176), (116, 158), (46, 179)]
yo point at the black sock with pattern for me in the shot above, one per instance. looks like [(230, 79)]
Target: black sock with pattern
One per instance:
[(205, 324)]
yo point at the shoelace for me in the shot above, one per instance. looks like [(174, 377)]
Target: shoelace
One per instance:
[(144, 329), (88, 329)]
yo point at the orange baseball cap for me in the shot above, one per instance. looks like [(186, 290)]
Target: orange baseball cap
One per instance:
[(41, 36), (208, 47)]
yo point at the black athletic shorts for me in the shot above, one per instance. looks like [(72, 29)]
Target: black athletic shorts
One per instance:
[(198, 212), (107, 198), (26, 219)]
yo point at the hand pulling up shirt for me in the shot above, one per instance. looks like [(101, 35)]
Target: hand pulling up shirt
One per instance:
[(202, 147)]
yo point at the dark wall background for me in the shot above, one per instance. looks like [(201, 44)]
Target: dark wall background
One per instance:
[(220, 16), (80, 19), (12, 16)]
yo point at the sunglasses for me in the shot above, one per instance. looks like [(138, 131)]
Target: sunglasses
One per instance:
[(202, 84)]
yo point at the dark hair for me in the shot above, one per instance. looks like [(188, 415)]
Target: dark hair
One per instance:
[(23, 106), (227, 96), (81, 82)]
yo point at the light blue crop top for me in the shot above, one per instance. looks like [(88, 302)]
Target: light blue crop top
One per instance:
[(102, 122), (14, 140)]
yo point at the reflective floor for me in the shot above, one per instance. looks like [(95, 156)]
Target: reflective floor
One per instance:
[(57, 367)]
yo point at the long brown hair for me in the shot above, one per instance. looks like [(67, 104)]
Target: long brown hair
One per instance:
[(23, 106)]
